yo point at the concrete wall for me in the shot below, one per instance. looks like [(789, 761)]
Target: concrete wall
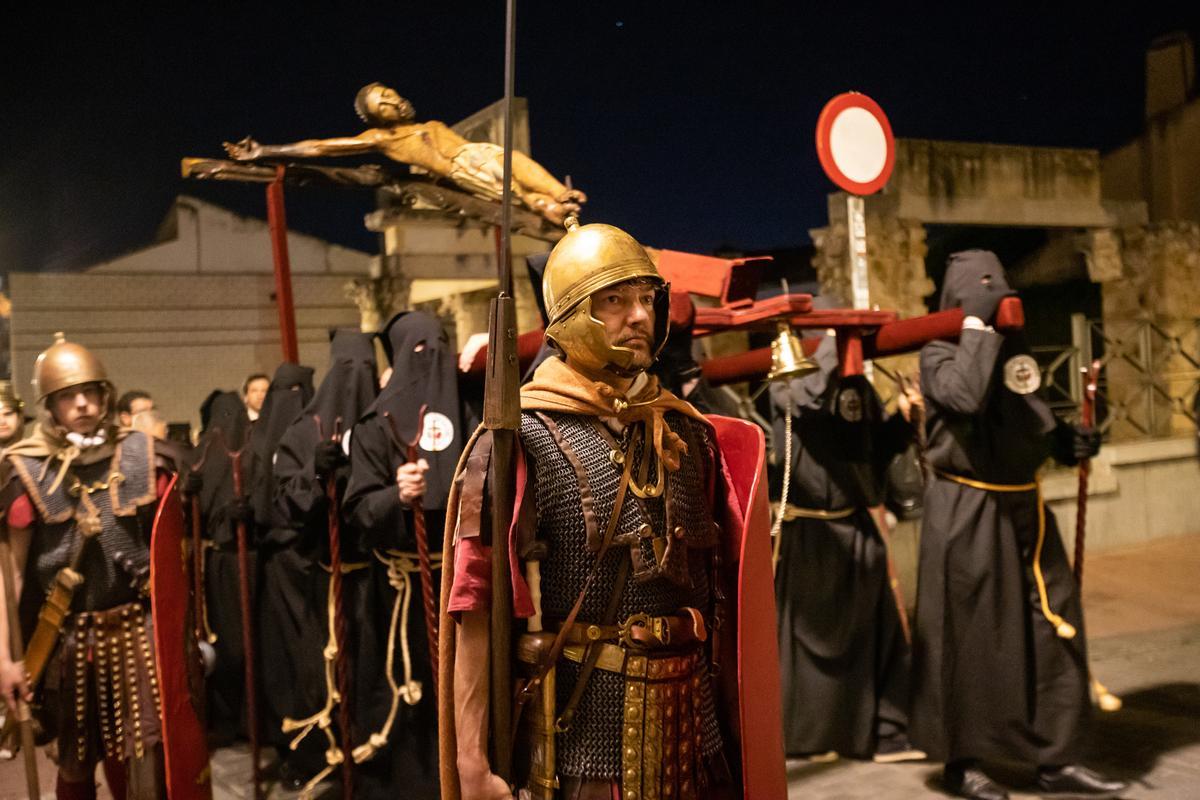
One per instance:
[(194, 312)]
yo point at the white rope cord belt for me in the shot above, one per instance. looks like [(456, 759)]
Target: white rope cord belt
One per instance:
[(401, 566)]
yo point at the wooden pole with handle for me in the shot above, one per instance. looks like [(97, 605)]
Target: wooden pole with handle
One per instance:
[(17, 652)]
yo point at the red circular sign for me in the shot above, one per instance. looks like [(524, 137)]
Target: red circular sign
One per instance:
[(855, 143)]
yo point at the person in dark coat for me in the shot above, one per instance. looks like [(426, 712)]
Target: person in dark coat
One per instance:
[(845, 661), (275, 602), (226, 430), (419, 405), (1000, 655), (295, 565)]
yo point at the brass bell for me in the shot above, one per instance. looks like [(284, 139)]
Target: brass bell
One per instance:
[(787, 356)]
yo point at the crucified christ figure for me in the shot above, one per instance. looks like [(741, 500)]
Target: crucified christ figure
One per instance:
[(476, 167)]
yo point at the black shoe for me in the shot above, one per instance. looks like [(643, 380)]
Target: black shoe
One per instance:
[(970, 782), (1074, 780)]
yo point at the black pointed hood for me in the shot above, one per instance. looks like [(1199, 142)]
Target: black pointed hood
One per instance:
[(227, 430), (350, 385), (964, 276), (424, 374), (290, 391)]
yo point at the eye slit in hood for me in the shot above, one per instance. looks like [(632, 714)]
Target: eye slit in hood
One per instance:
[(965, 272)]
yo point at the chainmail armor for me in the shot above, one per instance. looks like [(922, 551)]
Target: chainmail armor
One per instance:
[(107, 583), (591, 748)]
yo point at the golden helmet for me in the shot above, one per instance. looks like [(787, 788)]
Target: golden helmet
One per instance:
[(64, 364), (587, 259), (9, 398)]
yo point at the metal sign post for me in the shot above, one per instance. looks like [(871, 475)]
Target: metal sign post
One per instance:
[(857, 151)]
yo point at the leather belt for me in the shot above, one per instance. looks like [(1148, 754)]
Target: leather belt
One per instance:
[(792, 512), (614, 658), (643, 630)]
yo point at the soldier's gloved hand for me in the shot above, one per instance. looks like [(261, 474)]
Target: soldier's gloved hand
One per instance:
[(983, 302), (193, 482), (328, 457)]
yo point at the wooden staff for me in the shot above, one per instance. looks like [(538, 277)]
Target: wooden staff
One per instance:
[(1106, 700), (235, 458), (1088, 420), (17, 652), (428, 604), (341, 666)]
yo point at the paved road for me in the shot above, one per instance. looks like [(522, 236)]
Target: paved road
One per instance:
[(1154, 740), (1145, 645)]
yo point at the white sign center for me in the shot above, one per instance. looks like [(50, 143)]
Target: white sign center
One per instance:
[(858, 145)]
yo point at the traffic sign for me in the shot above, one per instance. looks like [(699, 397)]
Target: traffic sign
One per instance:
[(855, 143)]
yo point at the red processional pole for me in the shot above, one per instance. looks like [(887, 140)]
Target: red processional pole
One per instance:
[(277, 222)]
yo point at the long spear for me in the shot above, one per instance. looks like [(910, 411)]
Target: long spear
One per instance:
[(501, 416), (1104, 698), (243, 555), (17, 653)]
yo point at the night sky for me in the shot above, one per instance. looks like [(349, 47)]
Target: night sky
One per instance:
[(690, 124)]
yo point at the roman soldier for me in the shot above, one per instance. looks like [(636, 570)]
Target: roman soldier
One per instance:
[(80, 497), (12, 415), (640, 568), (845, 658), (1000, 655)]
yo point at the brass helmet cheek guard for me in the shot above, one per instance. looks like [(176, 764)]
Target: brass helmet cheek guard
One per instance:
[(582, 338), (587, 259)]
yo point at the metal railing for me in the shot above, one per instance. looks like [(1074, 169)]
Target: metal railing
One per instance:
[(1150, 374)]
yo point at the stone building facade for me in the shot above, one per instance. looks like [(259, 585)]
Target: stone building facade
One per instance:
[(192, 312)]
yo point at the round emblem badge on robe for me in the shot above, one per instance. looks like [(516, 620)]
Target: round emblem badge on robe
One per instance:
[(1021, 374), (850, 405), (437, 433)]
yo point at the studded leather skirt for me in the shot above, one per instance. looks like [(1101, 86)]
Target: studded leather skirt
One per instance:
[(106, 690)]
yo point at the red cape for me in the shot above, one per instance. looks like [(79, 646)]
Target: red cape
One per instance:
[(185, 750), (749, 678)]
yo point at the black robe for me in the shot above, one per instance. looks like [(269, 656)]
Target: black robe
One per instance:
[(991, 678), (844, 661), (373, 510), (227, 429), (275, 603), (295, 576)]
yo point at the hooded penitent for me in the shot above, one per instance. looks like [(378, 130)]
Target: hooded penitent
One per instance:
[(290, 391), (227, 431), (345, 393), (424, 379), (294, 621), (419, 405), (993, 677), (844, 658)]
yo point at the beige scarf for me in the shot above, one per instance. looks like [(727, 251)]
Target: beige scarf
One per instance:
[(558, 387)]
